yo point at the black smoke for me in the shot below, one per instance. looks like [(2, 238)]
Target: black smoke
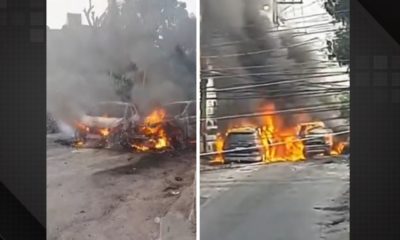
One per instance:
[(245, 28), (135, 42)]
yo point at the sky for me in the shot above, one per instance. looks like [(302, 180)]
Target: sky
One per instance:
[(57, 10)]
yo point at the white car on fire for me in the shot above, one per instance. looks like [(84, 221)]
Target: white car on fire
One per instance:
[(182, 115), (107, 123)]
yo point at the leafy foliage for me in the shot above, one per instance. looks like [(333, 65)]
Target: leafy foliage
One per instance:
[(345, 98), (147, 32), (340, 47)]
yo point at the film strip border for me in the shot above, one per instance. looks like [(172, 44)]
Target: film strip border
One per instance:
[(22, 93), (26, 16), (374, 118), (381, 73)]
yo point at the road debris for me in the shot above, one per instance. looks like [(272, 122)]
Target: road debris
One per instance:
[(109, 190)]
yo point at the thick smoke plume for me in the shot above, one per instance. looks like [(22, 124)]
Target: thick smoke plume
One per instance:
[(145, 47), (244, 27)]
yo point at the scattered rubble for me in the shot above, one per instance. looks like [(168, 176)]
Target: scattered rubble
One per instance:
[(111, 194)]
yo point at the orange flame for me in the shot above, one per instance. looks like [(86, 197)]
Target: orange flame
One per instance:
[(82, 127), (140, 148), (242, 123), (157, 116), (280, 142), (219, 146), (153, 128), (104, 132), (338, 148)]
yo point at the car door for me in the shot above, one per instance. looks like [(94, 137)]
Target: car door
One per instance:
[(132, 116)]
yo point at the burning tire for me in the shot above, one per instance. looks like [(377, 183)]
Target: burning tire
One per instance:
[(124, 141)]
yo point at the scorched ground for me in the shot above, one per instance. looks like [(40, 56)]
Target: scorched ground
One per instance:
[(104, 194)]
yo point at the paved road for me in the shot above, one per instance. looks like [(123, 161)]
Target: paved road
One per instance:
[(275, 202)]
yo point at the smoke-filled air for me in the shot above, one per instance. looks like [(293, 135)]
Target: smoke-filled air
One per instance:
[(136, 51), (246, 48)]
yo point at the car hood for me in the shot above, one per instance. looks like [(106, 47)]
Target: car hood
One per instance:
[(319, 131), (101, 122)]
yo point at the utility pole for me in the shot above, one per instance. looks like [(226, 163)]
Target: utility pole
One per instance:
[(208, 95), (203, 99)]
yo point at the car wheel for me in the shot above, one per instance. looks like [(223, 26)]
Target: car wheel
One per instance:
[(327, 152), (115, 139), (309, 155), (124, 142)]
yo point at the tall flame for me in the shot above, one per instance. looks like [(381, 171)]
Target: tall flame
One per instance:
[(338, 148), (153, 128), (219, 146), (279, 142)]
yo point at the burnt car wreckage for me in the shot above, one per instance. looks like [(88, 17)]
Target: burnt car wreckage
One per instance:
[(244, 141), (120, 123), (244, 144), (182, 115), (317, 138), (107, 123)]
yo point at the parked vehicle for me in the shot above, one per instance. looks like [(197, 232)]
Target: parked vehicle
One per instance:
[(181, 116), (108, 122), (317, 138), (248, 139)]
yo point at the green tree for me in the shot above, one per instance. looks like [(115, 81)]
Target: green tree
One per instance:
[(340, 46), (345, 99), (162, 32)]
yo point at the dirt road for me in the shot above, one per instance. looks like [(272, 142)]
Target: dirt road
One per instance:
[(102, 194)]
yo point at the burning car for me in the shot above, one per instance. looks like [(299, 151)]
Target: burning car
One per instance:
[(169, 126), (107, 123), (317, 138), (151, 133), (243, 145), (182, 115)]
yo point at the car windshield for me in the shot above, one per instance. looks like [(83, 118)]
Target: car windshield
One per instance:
[(240, 139), (175, 109), (111, 110)]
